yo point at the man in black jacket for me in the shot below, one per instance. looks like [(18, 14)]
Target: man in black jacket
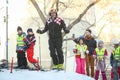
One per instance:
[(54, 25), (91, 43)]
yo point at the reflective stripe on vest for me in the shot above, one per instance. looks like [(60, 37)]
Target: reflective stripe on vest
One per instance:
[(116, 53), (84, 48), (20, 41), (100, 53)]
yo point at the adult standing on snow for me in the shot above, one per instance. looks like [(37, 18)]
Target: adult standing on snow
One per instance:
[(54, 25), (91, 43), (21, 57), (115, 59)]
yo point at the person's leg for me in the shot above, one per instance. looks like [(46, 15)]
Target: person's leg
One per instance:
[(24, 60), (115, 71), (52, 51), (18, 64), (82, 65), (77, 64), (97, 74), (58, 45), (19, 60), (30, 53), (87, 64), (92, 65), (103, 70), (97, 70), (119, 72), (103, 75), (112, 74)]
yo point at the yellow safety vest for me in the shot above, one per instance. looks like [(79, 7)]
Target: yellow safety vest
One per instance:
[(100, 53), (116, 53), (79, 47), (20, 41)]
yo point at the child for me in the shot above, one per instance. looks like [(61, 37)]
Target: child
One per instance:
[(100, 55), (21, 57), (115, 60), (80, 51), (30, 42)]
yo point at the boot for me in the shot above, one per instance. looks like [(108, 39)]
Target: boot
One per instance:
[(104, 75), (96, 74), (55, 67), (36, 66), (60, 66), (87, 70)]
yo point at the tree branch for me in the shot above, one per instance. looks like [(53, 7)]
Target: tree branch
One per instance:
[(81, 15), (57, 7), (39, 11)]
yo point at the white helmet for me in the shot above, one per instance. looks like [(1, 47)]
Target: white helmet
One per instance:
[(115, 41)]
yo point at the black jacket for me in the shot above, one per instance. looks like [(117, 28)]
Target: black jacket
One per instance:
[(55, 26), (91, 45)]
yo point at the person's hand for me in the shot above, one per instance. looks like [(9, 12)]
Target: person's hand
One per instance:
[(39, 31), (87, 52), (67, 31)]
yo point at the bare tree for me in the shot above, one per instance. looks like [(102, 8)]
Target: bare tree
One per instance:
[(39, 11), (70, 26)]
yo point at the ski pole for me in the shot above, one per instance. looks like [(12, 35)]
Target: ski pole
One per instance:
[(66, 55), (11, 67)]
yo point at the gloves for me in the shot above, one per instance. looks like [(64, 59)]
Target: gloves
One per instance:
[(67, 31), (39, 31), (87, 52)]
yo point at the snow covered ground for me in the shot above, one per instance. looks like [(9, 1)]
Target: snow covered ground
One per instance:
[(38, 75)]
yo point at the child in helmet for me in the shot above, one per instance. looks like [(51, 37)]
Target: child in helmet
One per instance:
[(115, 60), (100, 55)]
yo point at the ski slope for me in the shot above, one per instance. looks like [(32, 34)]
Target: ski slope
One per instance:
[(38, 75)]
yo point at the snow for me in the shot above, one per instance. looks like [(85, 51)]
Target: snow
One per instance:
[(39, 75)]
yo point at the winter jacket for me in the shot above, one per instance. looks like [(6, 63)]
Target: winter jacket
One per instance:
[(20, 42), (30, 41), (55, 26), (91, 45), (100, 54), (112, 57)]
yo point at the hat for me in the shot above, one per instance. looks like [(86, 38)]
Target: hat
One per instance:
[(115, 41), (100, 42), (89, 30), (19, 28), (81, 37), (52, 11), (29, 30)]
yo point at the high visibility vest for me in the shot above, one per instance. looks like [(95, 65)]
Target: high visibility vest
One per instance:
[(20, 41), (84, 48), (116, 53), (100, 53)]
